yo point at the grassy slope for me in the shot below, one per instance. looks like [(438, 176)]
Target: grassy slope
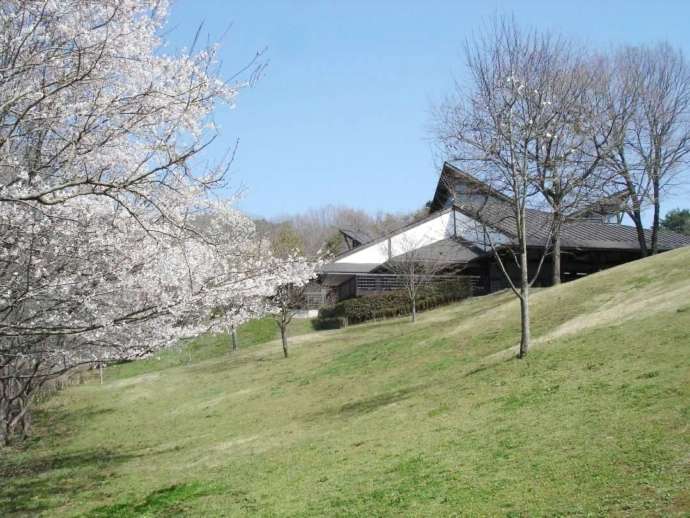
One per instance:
[(208, 347), (393, 418)]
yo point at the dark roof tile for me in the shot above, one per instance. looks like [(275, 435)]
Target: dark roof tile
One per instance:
[(574, 234)]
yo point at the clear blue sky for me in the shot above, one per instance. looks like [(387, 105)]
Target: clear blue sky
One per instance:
[(341, 114)]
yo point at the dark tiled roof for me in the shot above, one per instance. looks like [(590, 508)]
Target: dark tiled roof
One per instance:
[(574, 234), (357, 235), (348, 267), (444, 251), (590, 234)]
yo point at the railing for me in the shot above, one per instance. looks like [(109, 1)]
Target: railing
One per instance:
[(316, 299), (371, 283)]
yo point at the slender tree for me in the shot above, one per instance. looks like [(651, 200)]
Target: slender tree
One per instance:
[(647, 96), (287, 300), (568, 150), (495, 127), (418, 267)]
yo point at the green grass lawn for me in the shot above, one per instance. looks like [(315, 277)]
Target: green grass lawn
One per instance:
[(392, 418), (210, 346)]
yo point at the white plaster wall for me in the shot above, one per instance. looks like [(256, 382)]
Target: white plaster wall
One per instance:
[(372, 254), (474, 232), (428, 232), (422, 235), (307, 313)]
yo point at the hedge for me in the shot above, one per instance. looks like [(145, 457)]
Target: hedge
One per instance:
[(329, 323), (390, 304)]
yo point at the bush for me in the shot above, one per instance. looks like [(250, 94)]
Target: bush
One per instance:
[(320, 324), (391, 304)]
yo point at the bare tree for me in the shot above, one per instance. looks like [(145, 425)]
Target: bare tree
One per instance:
[(496, 127), (317, 229), (419, 265), (568, 152), (647, 95)]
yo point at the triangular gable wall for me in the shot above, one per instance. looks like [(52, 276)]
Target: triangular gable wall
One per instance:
[(447, 224)]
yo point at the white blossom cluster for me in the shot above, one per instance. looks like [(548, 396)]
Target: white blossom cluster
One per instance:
[(112, 244)]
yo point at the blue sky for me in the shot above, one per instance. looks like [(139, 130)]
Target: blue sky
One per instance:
[(341, 113)]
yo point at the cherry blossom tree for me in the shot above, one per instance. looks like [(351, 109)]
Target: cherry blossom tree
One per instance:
[(114, 241), (289, 298)]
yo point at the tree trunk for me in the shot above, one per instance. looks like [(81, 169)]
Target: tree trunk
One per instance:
[(23, 422), (655, 220), (283, 337), (5, 435), (233, 336), (414, 309), (524, 304), (636, 216), (4, 422), (556, 258)]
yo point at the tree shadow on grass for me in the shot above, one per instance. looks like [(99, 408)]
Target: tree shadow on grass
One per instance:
[(226, 364), (490, 365), (34, 485), (36, 477), (167, 501), (228, 361), (62, 422), (367, 405)]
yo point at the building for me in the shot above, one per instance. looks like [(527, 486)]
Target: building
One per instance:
[(466, 218)]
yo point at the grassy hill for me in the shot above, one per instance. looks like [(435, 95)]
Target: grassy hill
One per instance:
[(391, 418)]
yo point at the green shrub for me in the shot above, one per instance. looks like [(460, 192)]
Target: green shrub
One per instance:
[(329, 323), (392, 304)]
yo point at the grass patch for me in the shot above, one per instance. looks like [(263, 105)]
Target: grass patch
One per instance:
[(207, 347), (166, 501)]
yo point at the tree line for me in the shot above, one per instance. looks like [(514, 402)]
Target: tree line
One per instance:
[(317, 231)]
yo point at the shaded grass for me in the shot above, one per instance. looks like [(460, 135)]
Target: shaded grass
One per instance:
[(171, 500), (394, 418)]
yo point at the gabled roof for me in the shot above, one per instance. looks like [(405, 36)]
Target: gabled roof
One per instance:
[(356, 235), (494, 212), (451, 176)]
